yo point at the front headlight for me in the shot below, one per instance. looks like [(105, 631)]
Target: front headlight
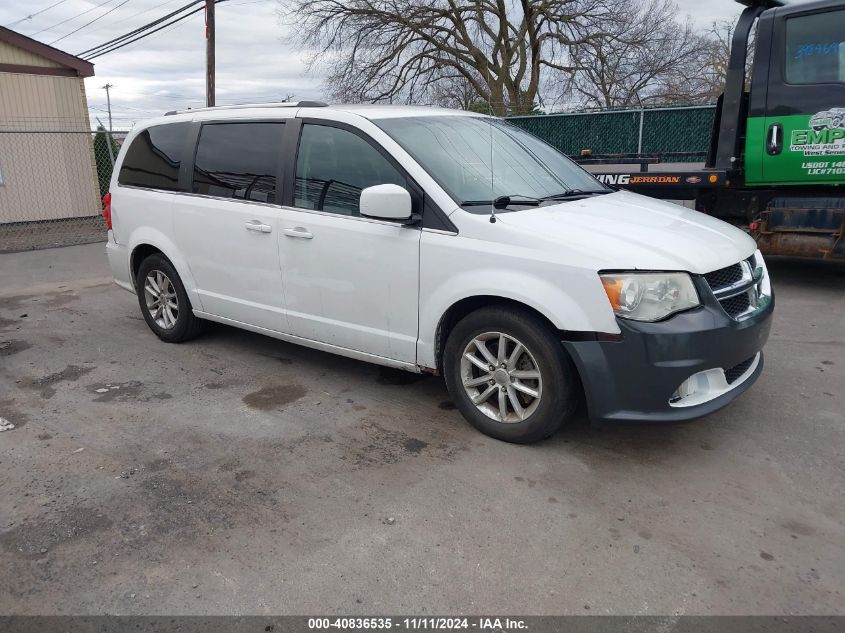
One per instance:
[(649, 296)]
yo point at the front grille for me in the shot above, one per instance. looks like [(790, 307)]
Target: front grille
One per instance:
[(739, 281), (734, 373), (724, 277), (736, 305)]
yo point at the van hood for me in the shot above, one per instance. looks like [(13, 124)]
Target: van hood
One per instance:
[(628, 231)]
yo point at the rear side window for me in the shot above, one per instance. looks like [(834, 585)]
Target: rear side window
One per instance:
[(815, 50), (334, 165), (238, 160), (154, 158)]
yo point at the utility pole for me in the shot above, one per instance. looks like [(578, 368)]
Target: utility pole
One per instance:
[(108, 102), (109, 142), (209, 52)]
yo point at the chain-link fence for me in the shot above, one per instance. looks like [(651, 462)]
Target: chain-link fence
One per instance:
[(52, 179), (671, 133)]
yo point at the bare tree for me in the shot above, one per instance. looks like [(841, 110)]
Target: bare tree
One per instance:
[(400, 50), (653, 57), (705, 78), (717, 53), (453, 90)]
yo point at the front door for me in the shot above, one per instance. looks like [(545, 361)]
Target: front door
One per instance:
[(802, 139), (228, 227), (350, 281)]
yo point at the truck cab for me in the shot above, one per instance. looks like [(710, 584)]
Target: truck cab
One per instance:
[(776, 160), (795, 131)]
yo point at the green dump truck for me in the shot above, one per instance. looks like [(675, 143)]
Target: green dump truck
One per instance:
[(776, 161)]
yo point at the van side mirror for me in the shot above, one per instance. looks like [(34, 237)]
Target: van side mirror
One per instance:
[(386, 202)]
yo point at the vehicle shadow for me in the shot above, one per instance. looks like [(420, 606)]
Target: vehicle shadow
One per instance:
[(428, 397), (413, 386)]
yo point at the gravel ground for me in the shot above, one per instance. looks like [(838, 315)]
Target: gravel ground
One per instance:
[(238, 474)]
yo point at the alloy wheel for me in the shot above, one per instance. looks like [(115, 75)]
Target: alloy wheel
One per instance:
[(160, 297), (501, 377)]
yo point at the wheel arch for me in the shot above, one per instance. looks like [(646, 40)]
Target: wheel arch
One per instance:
[(461, 308), (147, 243), (138, 255)]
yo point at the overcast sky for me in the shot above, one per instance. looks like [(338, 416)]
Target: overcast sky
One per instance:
[(167, 69)]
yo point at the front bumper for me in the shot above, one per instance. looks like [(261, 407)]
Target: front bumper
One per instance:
[(633, 379)]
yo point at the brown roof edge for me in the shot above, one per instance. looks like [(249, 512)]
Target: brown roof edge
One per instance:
[(82, 68)]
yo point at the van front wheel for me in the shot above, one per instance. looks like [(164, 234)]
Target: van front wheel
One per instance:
[(509, 375)]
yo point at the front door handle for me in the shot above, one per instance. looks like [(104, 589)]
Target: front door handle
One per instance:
[(255, 225), (298, 231), (774, 139)]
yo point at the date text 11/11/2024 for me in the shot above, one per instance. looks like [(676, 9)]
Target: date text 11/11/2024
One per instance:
[(418, 623)]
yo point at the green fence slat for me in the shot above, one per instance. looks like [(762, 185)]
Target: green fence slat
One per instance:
[(665, 131)]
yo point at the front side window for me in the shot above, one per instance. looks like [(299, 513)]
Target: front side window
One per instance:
[(815, 50), (333, 166), (480, 159), (238, 160), (154, 158)]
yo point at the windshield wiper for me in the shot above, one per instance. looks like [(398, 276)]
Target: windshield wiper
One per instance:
[(571, 193), (503, 202)]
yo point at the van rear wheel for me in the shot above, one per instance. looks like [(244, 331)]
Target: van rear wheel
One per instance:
[(164, 302), (509, 375)]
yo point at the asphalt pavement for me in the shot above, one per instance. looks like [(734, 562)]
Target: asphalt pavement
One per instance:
[(238, 474)]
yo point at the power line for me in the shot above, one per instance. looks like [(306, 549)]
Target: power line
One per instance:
[(73, 17), (135, 15), (175, 26), (32, 15), (142, 32), (114, 8), (140, 29)]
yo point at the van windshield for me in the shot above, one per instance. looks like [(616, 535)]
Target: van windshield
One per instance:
[(518, 171)]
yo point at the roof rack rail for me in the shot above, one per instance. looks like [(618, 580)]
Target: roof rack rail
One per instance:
[(236, 106)]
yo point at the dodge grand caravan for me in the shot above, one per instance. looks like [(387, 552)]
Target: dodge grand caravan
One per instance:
[(444, 242)]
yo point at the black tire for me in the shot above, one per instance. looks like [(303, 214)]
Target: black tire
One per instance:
[(558, 395), (186, 325)]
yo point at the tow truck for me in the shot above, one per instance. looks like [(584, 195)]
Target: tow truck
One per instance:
[(776, 159)]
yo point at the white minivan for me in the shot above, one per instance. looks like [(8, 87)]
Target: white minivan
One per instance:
[(444, 242)]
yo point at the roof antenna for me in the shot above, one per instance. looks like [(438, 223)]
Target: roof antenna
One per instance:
[(492, 173)]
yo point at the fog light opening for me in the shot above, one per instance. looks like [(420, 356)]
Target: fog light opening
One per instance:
[(708, 384), (696, 383)]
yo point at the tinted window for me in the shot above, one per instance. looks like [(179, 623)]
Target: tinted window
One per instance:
[(815, 50), (238, 160), (154, 157), (334, 165)]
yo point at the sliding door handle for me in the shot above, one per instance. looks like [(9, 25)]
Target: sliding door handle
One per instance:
[(255, 225), (298, 231)]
